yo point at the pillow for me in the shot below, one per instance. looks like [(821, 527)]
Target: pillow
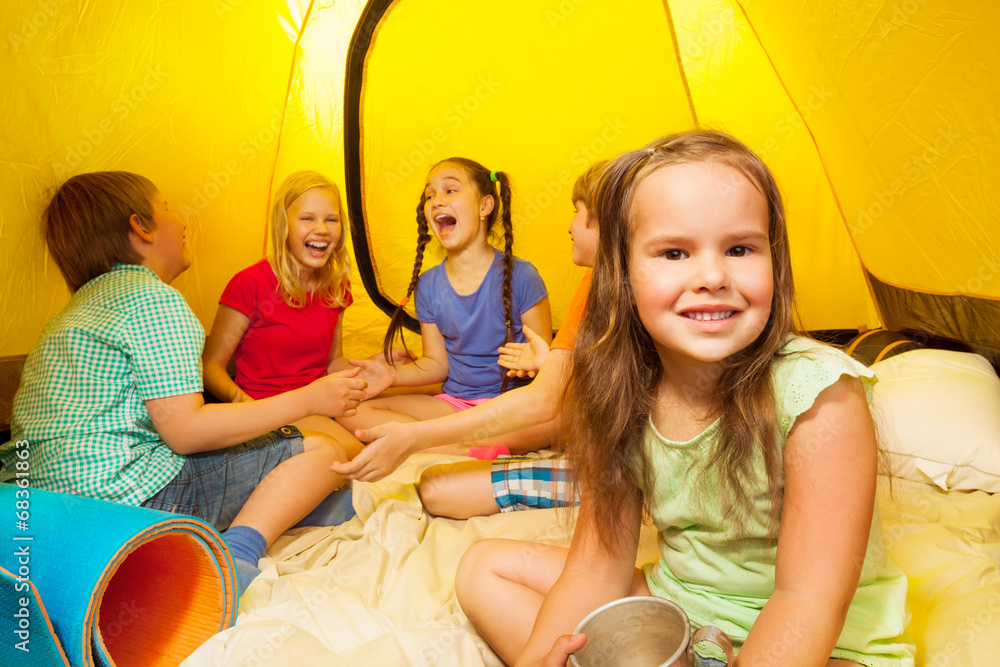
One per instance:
[(939, 418)]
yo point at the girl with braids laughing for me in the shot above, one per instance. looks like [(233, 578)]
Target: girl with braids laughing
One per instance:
[(476, 301)]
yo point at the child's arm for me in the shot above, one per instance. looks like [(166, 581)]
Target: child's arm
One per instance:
[(339, 363), (539, 319), (830, 466), (536, 403), (187, 425), (592, 576), (431, 368), (227, 332)]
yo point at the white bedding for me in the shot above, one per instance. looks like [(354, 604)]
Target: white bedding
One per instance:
[(379, 590)]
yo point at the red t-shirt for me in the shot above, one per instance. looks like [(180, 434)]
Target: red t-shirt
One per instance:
[(566, 337), (283, 348)]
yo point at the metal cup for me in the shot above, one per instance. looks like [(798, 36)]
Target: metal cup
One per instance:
[(642, 631)]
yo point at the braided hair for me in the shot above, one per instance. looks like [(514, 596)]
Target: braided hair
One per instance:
[(486, 182)]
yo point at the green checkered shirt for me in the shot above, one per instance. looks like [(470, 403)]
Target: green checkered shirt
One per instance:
[(124, 338)]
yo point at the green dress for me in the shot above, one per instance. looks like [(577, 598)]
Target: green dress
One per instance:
[(722, 574)]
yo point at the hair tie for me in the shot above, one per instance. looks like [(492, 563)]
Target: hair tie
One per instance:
[(405, 300), (650, 150), (493, 176), (507, 323)]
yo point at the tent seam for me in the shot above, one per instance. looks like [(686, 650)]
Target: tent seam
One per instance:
[(819, 154), (284, 112), (680, 63)]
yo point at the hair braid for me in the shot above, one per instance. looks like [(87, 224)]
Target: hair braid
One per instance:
[(503, 183), (396, 323)]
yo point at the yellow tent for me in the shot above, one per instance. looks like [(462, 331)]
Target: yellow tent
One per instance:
[(878, 119)]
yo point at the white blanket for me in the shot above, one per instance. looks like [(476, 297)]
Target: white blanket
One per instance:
[(380, 589)]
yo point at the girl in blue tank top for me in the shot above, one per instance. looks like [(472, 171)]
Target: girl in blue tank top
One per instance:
[(476, 301)]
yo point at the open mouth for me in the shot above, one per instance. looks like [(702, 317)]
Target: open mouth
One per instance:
[(703, 316), (317, 248), (445, 223)]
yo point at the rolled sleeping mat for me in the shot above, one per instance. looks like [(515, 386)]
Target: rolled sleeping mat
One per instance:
[(107, 584), (29, 638)]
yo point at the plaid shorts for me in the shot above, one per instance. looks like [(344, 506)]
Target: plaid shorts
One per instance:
[(521, 483)]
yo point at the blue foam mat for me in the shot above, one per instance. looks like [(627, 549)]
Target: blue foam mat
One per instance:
[(74, 547)]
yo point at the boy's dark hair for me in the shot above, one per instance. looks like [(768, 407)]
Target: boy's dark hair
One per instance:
[(86, 224)]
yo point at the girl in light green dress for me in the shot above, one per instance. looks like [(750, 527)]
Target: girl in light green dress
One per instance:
[(751, 448)]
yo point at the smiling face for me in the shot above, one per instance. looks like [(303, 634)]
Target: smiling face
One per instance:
[(313, 229), (454, 208), (700, 263), (583, 235)]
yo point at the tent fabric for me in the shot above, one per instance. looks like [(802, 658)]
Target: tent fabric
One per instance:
[(958, 317), (878, 119)]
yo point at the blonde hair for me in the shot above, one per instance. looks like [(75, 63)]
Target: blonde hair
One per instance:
[(585, 188), (332, 278), (86, 224)]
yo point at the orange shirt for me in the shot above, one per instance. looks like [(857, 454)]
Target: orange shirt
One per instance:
[(567, 333)]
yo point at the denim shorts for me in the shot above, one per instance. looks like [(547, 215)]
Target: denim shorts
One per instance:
[(213, 486)]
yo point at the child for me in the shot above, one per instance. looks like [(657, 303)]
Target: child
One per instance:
[(111, 400), (524, 419), (467, 306), (280, 320), (752, 449)]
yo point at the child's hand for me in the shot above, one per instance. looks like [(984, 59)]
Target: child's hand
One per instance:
[(388, 449), (341, 393), (559, 655), (524, 358), (379, 376)]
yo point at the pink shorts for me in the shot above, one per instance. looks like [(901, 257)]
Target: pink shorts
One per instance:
[(460, 404)]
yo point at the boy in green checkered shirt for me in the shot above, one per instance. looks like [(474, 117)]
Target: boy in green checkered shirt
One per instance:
[(110, 398)]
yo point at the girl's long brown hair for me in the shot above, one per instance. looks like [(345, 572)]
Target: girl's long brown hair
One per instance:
[(616, 369), (482, 180)]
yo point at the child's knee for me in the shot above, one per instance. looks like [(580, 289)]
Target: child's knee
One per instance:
[(433, 486), (312, 440), (473, 567)]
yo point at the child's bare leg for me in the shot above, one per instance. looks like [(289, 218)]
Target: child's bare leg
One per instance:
[(501, 585), (294, 488), (402, 408), (331, 428), (458, 490)]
